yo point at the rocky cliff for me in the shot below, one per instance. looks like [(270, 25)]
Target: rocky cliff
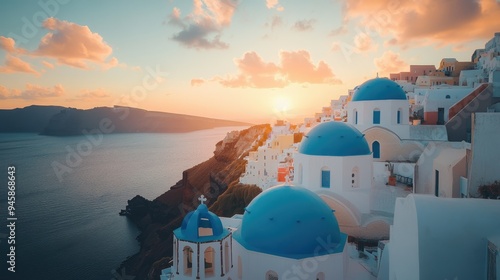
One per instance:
[(216, 178)]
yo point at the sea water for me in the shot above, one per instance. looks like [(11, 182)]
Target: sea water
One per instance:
[(69, 191)]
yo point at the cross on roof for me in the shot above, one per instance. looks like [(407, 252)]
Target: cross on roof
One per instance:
[(202, 199)]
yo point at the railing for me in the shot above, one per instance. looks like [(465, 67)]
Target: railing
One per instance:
[(404, 180), (466, 100)]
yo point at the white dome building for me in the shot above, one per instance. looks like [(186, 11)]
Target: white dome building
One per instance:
[(286, 232), (201, 246), (380, 102), (287, 227), (334, 158)]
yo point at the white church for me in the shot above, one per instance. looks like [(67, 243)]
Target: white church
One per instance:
[(341, 188), (286, 232)]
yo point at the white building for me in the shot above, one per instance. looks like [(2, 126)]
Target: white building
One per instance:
[(201, 246), (470, 78), (437, 101), (286, 232), (380, 102), (334, 160), (339, 108), (329, 154), (263, 164), (443, 238), (441, 168)]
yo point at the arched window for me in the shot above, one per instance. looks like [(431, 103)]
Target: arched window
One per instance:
[(188, 260), (355, 115), (376, 149), (376, 116), (355, 177), (448, 96), (271, 275), (398, 117), (320, 276), (209, 262), (226, 257), (325, 177)]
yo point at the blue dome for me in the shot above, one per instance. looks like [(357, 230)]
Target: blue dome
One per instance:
[(334, 139), (200, 218), (379, 89), (291, 222)]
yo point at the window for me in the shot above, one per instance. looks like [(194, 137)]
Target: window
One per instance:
[(376, 149), (355, 177), (436, 182), (188, 261), (209, 262), (376, 116), (271, 275), (355, 113), (325, 178), (447, 96), (398, 118)]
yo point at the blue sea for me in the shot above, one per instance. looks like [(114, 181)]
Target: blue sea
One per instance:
[(68, 226)]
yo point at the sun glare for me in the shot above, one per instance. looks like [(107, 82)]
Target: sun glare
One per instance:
[(281, 104)]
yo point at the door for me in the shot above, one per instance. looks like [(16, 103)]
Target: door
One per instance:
[(436, 183), (440, 116)]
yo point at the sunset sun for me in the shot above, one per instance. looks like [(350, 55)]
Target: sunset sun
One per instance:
[(281, 104)]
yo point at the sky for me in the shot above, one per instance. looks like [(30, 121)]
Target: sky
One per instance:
[(246, 60)]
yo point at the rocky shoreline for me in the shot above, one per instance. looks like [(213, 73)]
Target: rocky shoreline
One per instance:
[(217, 179)]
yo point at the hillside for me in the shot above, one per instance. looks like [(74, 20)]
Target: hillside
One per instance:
[(28, 119), (217, 179), (60, 121)]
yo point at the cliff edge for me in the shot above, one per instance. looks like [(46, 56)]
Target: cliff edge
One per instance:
[(217, 179)]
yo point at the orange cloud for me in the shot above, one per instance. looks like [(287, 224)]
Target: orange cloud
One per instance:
[(73, 44), (203, 27), (197, 82), (14, 64), (271, 4), (300, 69), (294, 67), (390, 62), (426, 21), (7, 44), (364, 43), (31, 92)]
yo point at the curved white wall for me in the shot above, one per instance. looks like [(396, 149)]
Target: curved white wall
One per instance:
[(388, 115)]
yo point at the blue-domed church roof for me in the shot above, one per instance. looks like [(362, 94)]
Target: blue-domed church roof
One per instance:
[(291, 222), (334, 139), (379, 89), (201, 218)]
